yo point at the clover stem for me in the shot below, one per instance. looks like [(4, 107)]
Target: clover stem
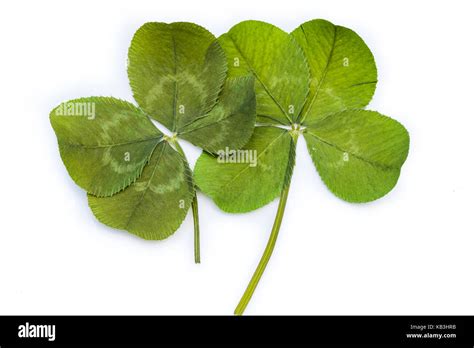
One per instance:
[(246, 297), (194, 205), (239, 310), (197, 252)]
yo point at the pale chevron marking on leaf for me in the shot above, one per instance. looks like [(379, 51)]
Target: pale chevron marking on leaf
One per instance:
[(230, 123), (358, 153), (150, 207), (172, 65), (262, 165), (239, 187), (93, 149)]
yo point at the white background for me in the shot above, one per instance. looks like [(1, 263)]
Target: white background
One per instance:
[(411, 252)]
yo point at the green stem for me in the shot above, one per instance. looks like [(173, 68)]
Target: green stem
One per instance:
[(197, 253), (239, 310), (194, 205), (244, 301)]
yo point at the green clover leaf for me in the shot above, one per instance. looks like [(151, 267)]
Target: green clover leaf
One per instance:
[(313, 82), (137, 178)]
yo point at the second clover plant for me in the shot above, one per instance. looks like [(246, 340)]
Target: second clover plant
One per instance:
[(313, 83), (136, 177)]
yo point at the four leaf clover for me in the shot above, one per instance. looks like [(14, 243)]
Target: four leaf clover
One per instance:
[(257, 89), (313, 82), (137, 178)]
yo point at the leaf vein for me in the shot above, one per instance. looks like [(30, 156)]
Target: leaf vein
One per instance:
[(146, 188), (261, 82), (111, 145), (258, 156), (372, 163), (318, 89)]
